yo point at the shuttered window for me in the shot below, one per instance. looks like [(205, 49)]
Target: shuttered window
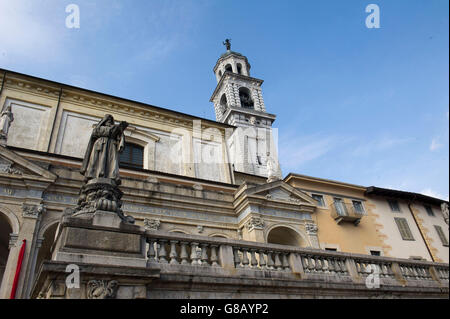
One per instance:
[(429, 210), (394, 205), (441, 234), (403, 227), (132, 155), (319, 199)]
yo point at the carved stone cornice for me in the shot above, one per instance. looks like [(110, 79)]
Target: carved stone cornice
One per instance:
[(151, 224), (255, 222), (32, 211), (102, 289), (311, 229)]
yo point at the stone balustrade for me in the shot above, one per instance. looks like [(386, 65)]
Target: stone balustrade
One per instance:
[(220, 253)]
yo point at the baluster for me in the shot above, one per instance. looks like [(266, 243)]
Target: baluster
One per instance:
[(237, 258), (384, 270), (162, 252), (184, 255), (311, 265), (214, 258), (304, 263), (342, 266), (358, 266), (285, 262), (269, 260), (245, 260), (278, 263), (253, 260), (330, 265), (324, 264), (262, 261), (173, 252), (194, 256), (204, 255), (336, 265), (318, 263), (151, 254)]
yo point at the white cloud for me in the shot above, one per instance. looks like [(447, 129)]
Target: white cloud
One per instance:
[(435, 145), (297, 151), (27, 31), (378, 145), (430, 192)]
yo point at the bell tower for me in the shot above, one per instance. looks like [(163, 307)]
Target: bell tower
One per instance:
[(238, 101)]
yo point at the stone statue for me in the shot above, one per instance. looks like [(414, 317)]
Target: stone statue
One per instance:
[(271, 169), (100, 194), (6, 119), (227, 43), (102, 154), (444, 209)]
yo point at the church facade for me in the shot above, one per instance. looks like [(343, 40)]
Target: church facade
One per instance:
[(192, 186)]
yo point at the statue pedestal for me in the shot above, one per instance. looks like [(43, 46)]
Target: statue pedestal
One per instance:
[(106, 219), (104, 240)]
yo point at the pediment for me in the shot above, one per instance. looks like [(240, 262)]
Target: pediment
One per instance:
[(14, 165), (278, 191)]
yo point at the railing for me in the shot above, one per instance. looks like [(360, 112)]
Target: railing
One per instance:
[(191, 250), (346, 212)]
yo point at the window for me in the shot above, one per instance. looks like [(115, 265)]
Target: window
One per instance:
[(394, 205), (228, 68), (375, 253), (331, 249), (132, 155), (403, 227), (358, 206), (441, 234), (340, 207), (429, 210), (319, 199)]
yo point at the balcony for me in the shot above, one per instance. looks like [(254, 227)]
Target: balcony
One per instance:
[(345, 212), (175, 265)]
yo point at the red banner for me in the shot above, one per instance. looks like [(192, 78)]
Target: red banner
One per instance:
[(18, 268)]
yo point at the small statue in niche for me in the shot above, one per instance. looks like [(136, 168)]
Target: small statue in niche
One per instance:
[(102, 154), (6, 119)]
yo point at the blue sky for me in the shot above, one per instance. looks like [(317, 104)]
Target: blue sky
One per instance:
[(363, 106)]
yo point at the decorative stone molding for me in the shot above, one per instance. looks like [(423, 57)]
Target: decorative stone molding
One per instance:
[(197, 187), (239, 232), (5, 167), (311, 229), (255, 223), (151, 224), (102, 289), (200, 229), (32, 211), (13, 240)]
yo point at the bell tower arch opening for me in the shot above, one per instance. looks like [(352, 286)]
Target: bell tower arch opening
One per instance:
[(245, 97)]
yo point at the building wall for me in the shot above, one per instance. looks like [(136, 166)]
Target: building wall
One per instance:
[(395, 246), (427, 223), (170, 140), (345, 237)]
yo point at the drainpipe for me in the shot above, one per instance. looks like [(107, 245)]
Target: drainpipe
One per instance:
[(420, 229), (54, 120)]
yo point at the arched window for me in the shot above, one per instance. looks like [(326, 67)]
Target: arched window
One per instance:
[(220, 74), (284, 236), (239, 68), (244, 96), (228, 68), (132, 155), (223, 103)]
